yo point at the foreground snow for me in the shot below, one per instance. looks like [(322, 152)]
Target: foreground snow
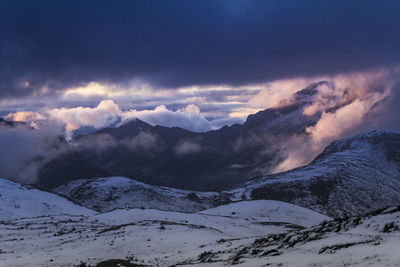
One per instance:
[(24, 201), (247, 233), (153, 237), (370, 240)]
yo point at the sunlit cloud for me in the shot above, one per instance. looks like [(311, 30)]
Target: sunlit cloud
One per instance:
[(344, 103), (242, 113), (107, 112), (278, 93)]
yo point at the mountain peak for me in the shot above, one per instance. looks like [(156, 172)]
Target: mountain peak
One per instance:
[(11, 124), (385, 141)]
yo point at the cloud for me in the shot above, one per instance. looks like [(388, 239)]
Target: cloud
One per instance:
[(181, 43), (346, 104), (187, 147), (108, 113), (30, 117), (101, 116), (327, 97), (188, 118), (144, 141), (26, 150), (279, 93), (349, 104), (97, 143)]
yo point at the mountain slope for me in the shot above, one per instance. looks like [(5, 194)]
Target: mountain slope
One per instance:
[(352, 176), (105, 194), (18, 201), (368, 240)]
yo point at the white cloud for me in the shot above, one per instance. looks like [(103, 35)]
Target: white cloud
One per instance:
[(101, 116), (108, 112), (188, 118), (26, 150), (278, 93)]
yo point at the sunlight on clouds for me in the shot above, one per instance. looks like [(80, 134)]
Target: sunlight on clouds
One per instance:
[(278, 93), (92, 88), (242, 113), (189, 118), (102, 115), (107, 112), (353, 95), (108, 90), (29, 117), (195, 89), (332, 125)]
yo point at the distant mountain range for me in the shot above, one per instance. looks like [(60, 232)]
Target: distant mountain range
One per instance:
[(350, 177), (157, 155)]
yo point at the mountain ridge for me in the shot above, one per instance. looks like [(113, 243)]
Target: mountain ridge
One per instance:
[(175, 157), (351, 176)]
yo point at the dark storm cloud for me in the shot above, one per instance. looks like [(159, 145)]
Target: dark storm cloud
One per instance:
[(177, 43)]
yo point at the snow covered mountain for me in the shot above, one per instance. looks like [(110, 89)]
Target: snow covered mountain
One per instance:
[(351, 177), (105, 194), (17, 201)]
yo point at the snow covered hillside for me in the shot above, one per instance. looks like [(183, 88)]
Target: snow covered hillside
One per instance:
[(151, 237), (24, 201), (44, 229), (369, 240), (105, 194), (351, 177)]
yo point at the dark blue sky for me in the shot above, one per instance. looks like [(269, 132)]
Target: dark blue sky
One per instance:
[(178, 43)]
